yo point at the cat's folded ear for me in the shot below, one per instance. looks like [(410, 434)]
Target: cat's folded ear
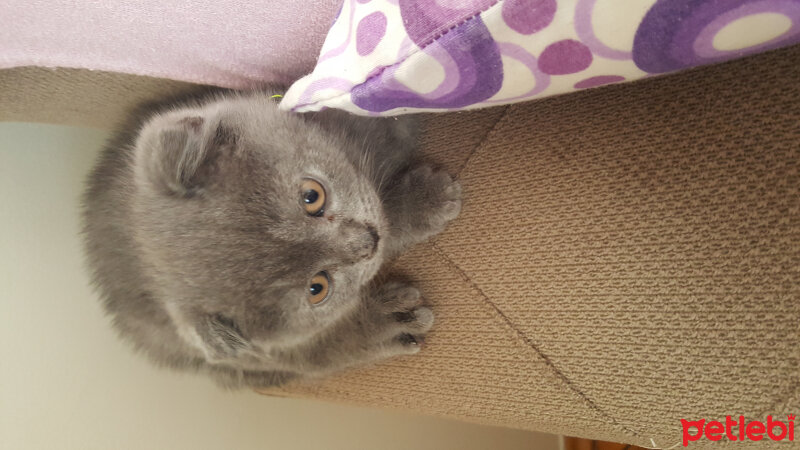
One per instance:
[(177, 153), (219, 338)]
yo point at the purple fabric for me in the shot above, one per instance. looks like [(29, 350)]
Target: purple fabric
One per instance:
[(486, 52), (428, 20), (600, 80), (231, 43), (528, 16), (369, 33), (477, 73), (667, 38), (564, 57)]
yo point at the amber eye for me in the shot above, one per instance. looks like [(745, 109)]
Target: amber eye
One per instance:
[(312, 195), (319, 288)]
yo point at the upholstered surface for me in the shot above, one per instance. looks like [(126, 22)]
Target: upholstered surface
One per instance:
[(627, 257), (77, 97)]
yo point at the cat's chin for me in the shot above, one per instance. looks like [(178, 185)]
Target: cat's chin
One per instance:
[(368, 268)]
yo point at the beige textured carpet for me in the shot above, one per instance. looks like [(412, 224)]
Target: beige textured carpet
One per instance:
[(626, 257), (78, 97)]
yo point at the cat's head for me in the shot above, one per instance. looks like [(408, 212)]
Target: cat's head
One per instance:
[(254, 225)]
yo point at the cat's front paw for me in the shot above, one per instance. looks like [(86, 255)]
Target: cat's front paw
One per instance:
[(438, 192), (400, 319), (432, 199)]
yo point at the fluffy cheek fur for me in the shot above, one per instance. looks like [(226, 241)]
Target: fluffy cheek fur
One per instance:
[(222, 230)]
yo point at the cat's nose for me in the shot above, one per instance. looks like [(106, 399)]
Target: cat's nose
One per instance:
[(374, 234), (364, 243), (369, 242)]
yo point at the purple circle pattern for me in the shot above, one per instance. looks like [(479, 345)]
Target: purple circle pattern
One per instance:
[(428, 20), (528, 16), (585, 31), (674, 34), (565, 57), (599, 80), (369, 33), (542, 80), (672, 31), (704, 44), (473, 73)]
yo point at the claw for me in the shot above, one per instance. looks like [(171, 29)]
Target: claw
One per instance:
[(408, 339)]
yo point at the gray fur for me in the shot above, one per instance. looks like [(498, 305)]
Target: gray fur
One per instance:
[(202, 252)]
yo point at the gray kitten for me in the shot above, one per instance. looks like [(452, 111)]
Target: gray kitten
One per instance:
[(228, 237)]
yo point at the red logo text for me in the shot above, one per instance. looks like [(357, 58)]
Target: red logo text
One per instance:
[(738, 430)]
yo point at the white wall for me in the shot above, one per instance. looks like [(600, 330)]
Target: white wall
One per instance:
[(66, 382)]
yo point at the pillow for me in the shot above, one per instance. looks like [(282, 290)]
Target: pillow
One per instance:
[(389, 57)]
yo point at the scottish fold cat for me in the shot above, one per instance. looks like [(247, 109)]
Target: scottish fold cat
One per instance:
[(230, 238)]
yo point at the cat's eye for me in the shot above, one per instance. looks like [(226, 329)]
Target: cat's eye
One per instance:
[(319, 288), (312, 194)]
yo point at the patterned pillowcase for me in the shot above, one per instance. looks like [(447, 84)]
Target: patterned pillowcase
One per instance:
[(388, 57)]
